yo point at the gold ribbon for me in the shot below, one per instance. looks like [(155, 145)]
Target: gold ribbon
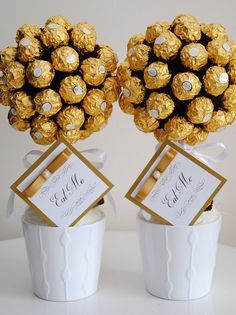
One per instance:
[(160, 168), (31, 190)]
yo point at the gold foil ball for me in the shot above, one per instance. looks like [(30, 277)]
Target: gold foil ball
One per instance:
[(232, 71), (6, 56), (126, 106), (214, 31), (198, 135), (43, 130), (94, 102), (229, 98), (153, 31), (70, 118), (166, 45), (72, 89), (138, 56), (160, 105), (217, 122), (200, 110), (194, 56), (182, 18), (144, 121), (161, 135), (94, 71), (84, 36), (16, 122), (123, 72), (186, 86), (188, 31), (65, 59), (5, 95), (23, 104), (178, 128), (219, 52), (60, 20), (230, 116), (135, 40), (156, 75), (15, 75), (111, 89), (29, 49), (72, 136), (95, 123), (109, 57), (215, 80), (134, 90), (40, 73), (47, 102), (29, 31), (55, 35)]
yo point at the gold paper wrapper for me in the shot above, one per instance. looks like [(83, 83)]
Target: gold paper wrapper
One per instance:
[(95, 123), (43, 130), (111, 89), (65, 59), (182, 18), (156, 75), (29, 31), (219, 52), (29, 49), (216, 80), (47, 102), (94, 102), (166, 45), (94, 71), (178, 128), (138, 57), (217, 121), (40, 73), (186, 85), (134, 90), (72, 136), (126, 106), (232, 71), (198, 135), (5, 95), (73, 89), (6, 56), (123, 72), (200, 110), (214, 31), (23, 104), (15, 75), (16, 122), (60, 20), (70, 118), (55, 35), (135, 40), (229, 98), (84, 36), (160, 105), (161, 135), (188, 31), (108, 56), (230, 117), (144, 121), (194, 56), (153, 31)]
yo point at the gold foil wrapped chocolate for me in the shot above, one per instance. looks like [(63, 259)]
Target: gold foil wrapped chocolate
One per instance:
[(5, 95), (144, 121), (166, 45), (94, 102), (160, 105), (15, 75), (200, 110), (230, 116), (229, 98), (188, 31), (232, 71), (65, 59), (198, 135), (161, 135), (95, 123), (72, 89), (153, 31), (40, 73), (135, 40), (84, 36), (214, 31), (111, 89), (94, 71), (217, 121), (60, 20), (70, 118), (29, 49), (108, 111), (55, 35), (29, 31), (219, 52), (216, 80), (156, 75), (47, 102), (43, 130), (6, 56), (72, 136), (186, 86), (108, 56), (126, 106), (138, 56), (16, 122), (194, 56), (23, 104), (133, 90), (178, 128), (182, 18), (123, 72)]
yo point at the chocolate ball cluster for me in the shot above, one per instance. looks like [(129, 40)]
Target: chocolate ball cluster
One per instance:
[(58, 81), (179, 80)]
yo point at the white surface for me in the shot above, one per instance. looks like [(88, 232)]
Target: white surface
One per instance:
[(128, 149), (121, 289)]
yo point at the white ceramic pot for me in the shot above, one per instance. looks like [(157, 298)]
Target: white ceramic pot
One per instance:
[(64, 262), (178, 262)]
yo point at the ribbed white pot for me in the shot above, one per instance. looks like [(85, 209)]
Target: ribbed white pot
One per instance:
[(178, 262), (64, 262)]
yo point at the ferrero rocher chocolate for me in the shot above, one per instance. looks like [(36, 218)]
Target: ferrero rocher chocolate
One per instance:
[(166, 45), (138, 56), (232, 71), (153, 31), (108, 56), (5, 95), (229, 98), (135, 40), (160, 105), (123, 72), (65, 59), (230, 116), (217, 121), (194, 56), (84, 36), (94, 102), (28, 31), (47, 102), (43, 130), (23, 104), (16, 122), (198, 135), (200, 110), (72, 89), (214, 31), (72, 136), (111, 89), (219, 51), (188, 31), (95, 123), (126, 106), (29, 49), (178, 128), (134, 90), (54, 35), (70, 118), (7, 55), (94, 71), (144, 121), (108, 110), (40, 73), (186, 85), (156, 75), (60, 20), (15, 75), (182, 18), (216, 80), (161, 135)]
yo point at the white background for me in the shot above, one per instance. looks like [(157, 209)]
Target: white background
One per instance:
[(128, 149)]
